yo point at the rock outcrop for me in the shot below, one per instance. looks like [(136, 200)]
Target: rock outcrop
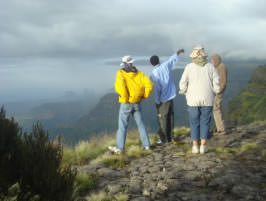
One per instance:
[(233, 169)]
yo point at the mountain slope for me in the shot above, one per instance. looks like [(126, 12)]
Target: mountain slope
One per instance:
[(250, 104)]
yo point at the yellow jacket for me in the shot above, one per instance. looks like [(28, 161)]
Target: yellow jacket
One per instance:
[(132, 87)]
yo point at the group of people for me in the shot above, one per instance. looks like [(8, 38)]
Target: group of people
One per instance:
[(202, 83)]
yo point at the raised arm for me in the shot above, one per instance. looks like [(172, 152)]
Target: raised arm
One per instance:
[(170, 63)]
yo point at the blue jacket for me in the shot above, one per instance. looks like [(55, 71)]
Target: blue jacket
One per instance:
[(163, 83)]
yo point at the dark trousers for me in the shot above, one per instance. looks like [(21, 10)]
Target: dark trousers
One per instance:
[(165, 113)]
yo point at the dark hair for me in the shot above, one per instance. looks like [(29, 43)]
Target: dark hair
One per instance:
[(154, 60)]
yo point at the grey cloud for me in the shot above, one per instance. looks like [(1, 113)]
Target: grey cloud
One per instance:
[(114, 27)]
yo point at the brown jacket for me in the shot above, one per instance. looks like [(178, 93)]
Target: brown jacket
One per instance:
[(221, 70)]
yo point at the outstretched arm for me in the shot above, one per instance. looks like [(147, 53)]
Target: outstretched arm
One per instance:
[(170, 63)]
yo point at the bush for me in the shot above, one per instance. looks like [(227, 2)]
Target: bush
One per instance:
[(41, 171), (10, 153), (31, 164)]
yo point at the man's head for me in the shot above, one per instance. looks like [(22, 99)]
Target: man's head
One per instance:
[(154, 60), (216, 60)]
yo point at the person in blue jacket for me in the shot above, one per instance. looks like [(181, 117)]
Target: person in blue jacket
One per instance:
[(165, 92)]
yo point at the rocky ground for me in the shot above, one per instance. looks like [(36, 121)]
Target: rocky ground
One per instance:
[(233, 169)]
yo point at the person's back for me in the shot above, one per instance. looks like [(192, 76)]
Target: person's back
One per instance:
[(199, 83), (161, 76), (217, 107), (200, 90), (132, 86), (165, 92)]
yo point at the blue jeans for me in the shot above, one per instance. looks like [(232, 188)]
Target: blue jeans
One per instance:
[(200, 120), (126, 109)]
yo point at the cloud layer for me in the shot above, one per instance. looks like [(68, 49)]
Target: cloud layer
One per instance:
[(63, 29)]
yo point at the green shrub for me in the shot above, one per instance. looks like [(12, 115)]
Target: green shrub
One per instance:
[(31, 164), (69, 157), (10, 153), (42, 173)]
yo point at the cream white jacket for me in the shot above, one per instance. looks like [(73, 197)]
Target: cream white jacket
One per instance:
[(199, 84)]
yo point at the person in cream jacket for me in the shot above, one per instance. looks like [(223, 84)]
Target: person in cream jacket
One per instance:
[(199, 83)]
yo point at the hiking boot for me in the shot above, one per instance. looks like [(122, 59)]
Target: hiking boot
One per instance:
[(115, 150), (195, 149), (219, 133), (203, 149)]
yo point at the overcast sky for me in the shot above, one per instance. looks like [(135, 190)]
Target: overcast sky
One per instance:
[(106, 28), (57, 44)]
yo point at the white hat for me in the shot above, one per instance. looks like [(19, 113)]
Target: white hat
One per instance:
[(127, 59), (198, 51)]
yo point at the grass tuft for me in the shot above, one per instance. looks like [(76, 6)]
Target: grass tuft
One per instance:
[(249, 147), (121, 197), (84, 183), (225, 150), (85, 151), (137, 151), (114, 161), (180, 131), (263, 152), (102, 196)]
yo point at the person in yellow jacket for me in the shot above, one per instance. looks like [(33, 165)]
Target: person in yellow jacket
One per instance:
[(132, 86)]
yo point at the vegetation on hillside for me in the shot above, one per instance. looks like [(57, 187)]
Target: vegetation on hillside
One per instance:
[(30, 165), (250, 104)]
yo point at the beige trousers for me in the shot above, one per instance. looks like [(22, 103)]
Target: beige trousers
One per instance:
[(217, 112)]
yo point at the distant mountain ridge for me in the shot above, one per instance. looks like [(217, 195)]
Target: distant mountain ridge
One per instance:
[(103, 118)]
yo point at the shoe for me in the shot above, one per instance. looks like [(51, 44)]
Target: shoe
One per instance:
[(115, 150), (203, 149), (195, 149), (147, 148), (159, 142)]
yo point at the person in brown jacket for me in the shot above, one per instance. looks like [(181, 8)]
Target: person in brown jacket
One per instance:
[(217, 106)]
